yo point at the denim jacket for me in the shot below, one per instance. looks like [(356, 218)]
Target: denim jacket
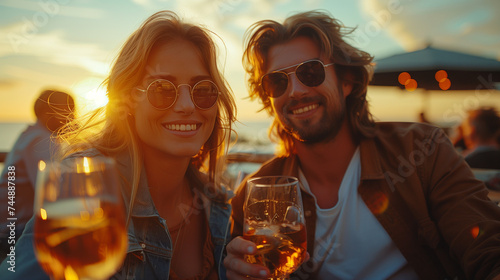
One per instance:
[(149, 250)]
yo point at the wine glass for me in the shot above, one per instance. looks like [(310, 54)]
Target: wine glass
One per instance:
[(80, 230), (274, 221)]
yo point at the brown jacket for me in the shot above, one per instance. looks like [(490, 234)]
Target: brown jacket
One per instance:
[(424, 195)]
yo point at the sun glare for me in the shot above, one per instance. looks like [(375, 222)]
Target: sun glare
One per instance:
[(97, 98), (90, 94)]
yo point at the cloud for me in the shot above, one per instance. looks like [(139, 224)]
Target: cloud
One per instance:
[(8, 83), (26, 75), (142, 2), (53, 48), (459, 24), (26, 35), (230, 18), (153, 5), (52, 8)]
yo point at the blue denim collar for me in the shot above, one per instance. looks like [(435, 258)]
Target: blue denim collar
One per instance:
[(143, 204)]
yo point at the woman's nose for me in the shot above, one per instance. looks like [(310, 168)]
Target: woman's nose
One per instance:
[(184, 103)]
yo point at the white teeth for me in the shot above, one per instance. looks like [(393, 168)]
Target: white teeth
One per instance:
[(181, 127), (305, 109)]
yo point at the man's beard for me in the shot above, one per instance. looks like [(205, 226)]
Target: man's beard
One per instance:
[(324, 130)]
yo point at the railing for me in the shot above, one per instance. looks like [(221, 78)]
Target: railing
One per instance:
[(236, 172), (261, 158), (248, 157), (231, 158)]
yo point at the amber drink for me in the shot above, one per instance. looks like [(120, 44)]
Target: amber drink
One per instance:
[(79, 230), (91, 243), (282, 252), (275, 223)]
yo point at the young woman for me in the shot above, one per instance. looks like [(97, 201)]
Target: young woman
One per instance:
[(167, 123)]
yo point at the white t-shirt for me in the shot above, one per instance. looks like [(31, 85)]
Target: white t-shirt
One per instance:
[(350, 242)]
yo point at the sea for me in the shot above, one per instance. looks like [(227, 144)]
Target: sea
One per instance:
[(250, 137), (9, 133)]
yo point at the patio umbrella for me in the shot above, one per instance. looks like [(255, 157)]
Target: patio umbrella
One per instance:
[(436, 69)]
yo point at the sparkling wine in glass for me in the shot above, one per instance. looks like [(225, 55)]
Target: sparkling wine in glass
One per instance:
[(80, 230), (274, 221)]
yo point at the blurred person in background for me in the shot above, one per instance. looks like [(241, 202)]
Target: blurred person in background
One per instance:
[(457, 139), (382, 200), (167, 125), (481, 133), (53, 109)]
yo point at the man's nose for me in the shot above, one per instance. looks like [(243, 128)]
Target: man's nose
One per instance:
[(296, 89)]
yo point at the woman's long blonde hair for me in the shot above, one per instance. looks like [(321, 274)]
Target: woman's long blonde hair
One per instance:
[(111, 130)]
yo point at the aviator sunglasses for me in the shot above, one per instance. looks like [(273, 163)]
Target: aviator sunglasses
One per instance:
[(310, 73), (162, 94)]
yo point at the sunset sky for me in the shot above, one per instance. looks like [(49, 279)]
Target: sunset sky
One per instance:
[(70, 44)]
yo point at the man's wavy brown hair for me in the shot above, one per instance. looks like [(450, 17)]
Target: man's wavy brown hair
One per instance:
[(351, 65)]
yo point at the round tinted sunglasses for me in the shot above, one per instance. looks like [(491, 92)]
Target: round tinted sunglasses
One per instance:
[(310, 73), (162, 94)]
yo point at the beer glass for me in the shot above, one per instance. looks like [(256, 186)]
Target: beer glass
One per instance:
[(80, 230), (274, 221)]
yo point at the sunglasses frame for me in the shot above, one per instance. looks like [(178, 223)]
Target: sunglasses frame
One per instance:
[(177, 93), (295, 66)]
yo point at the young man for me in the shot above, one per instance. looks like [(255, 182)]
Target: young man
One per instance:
[(381, 200), (52, 109), (481, 131)]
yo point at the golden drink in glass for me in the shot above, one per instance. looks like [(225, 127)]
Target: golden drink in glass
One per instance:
[(80, 228), (274, 221)]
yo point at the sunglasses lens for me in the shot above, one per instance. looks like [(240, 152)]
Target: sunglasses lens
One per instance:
[(311, 74), (205, 94), (275, 84), (162, 94)]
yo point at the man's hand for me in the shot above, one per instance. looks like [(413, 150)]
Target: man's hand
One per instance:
[(237, 267)]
